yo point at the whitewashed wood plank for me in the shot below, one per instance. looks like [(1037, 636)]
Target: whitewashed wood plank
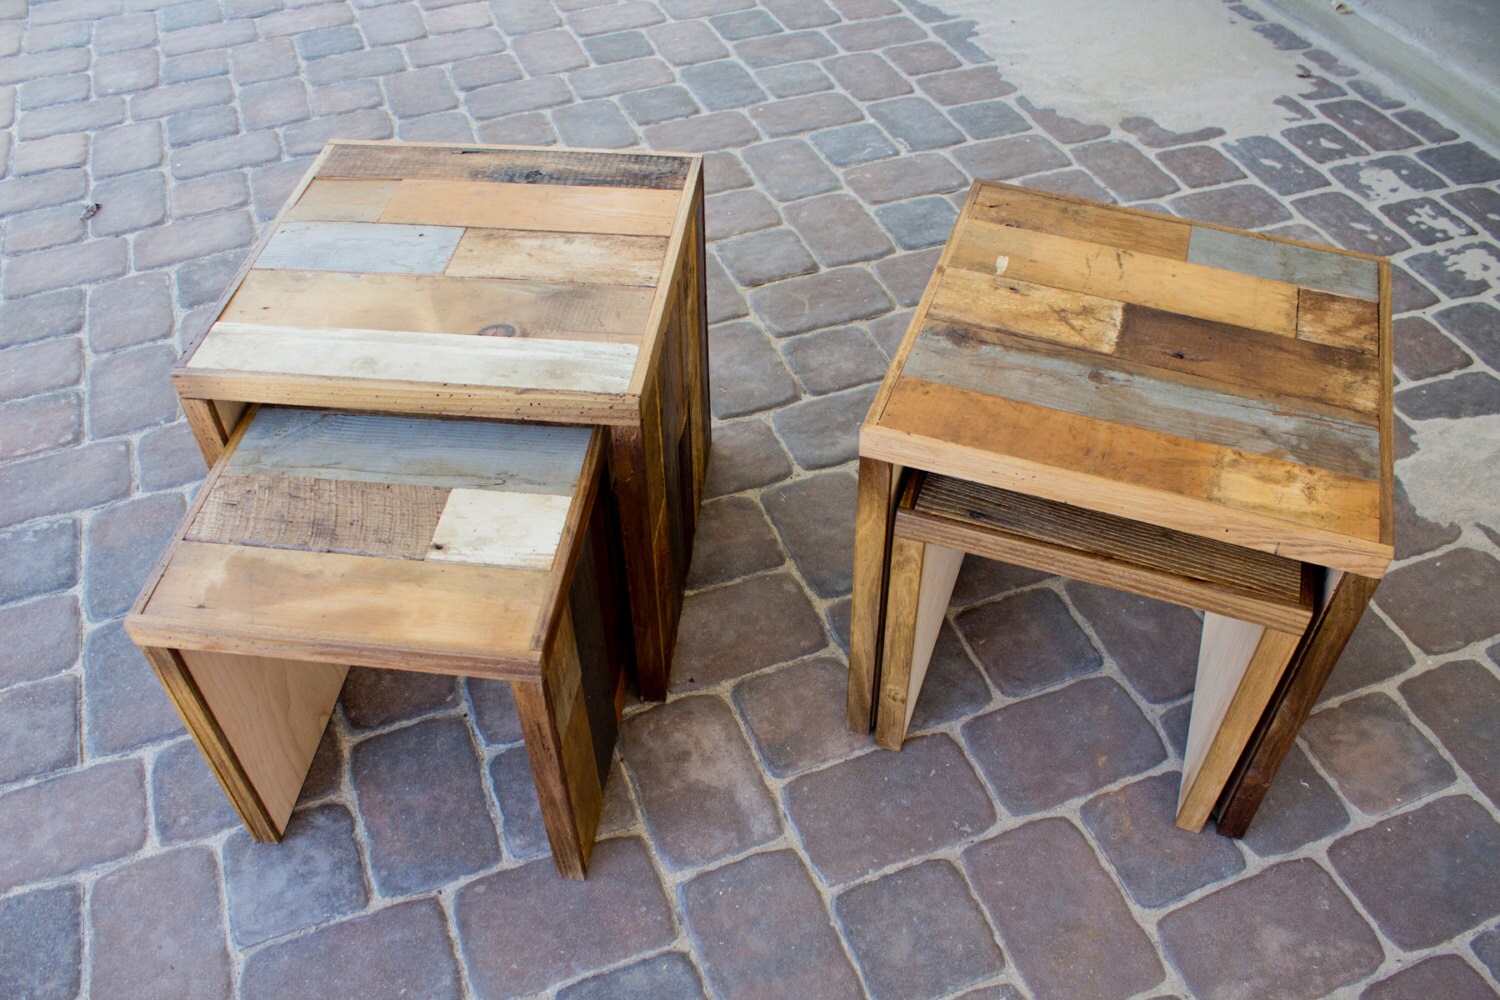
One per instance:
[(515, 530), (459, 454), (360, 247), (404, 356), (1320, 269)]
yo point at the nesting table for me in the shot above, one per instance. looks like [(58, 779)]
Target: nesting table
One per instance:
[(1176, 409)]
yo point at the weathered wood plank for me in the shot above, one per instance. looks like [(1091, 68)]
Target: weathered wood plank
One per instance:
[(1076, 382), (1052, 314), (557, 209), (441, 304), (405, 356), (584, 258), (1082, 220), (365, 447), (1339, 321), (395, 520), (498, 164), (328, 200), (1109, 272), (1251, 362), (364, 247), (1296, 265), (494, 528)]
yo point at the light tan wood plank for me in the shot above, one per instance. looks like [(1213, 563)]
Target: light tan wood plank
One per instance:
[(393, 520), (1249, 362), (1293, 263), (1239, 665), (441, 304), (490, 528), (1109, 272), (333, 200), (405, 356), (506, 164), (330, 607), (1339, 321), (551, 208), (987, 301), (1082, 220), (583, 258), (364, 247), (922, 579), (272, 713)]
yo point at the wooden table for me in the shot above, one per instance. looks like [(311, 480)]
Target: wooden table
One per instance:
[(498, 283), (1173, 375), (325, 539)]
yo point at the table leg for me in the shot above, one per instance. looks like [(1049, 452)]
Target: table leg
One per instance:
[(1346, 597), (922, 576), (872, 535)]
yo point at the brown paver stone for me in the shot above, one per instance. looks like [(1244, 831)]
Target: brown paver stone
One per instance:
[(1028, 642), (1446, 976), (734, 539), (742, 627), (669, 976), (796, 715), (1460, 702), (1379, 759), (815, 518), (1154, 643), (1418, 597), (1300, 807), (41, 944), (72, 822)]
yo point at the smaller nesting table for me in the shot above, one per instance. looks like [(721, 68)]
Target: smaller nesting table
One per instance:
[(325, 539), (1175, 409)]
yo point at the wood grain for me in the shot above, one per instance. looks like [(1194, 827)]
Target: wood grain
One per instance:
[(365, 247), (921, 583), (506, 164), (331, 200), (982, 301), (409, 356), (582, 258), (441, 304), (490, 528), (1339, 321), (875, 504), (625, 211), (1080, 220), (1110, 272), (1247, 253)]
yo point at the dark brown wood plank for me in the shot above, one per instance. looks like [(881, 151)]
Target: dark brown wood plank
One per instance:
[(1338, 321), (506, 166)]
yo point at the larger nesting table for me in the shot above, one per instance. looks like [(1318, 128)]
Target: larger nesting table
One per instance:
[(495, 283), (1180, 409)]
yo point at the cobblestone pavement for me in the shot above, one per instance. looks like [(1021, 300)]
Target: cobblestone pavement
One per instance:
[(1020, 845)]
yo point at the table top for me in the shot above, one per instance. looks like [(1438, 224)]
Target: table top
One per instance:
[(381, 540), (503, 282), (1222, 383)]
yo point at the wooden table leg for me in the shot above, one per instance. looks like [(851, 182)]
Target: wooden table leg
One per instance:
[(921, 582), (257, 720), (1346, 595), (872, 536)]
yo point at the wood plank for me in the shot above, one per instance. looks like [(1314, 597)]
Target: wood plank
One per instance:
[(365, 247), (1076, 382), (1251, 362), (1239, 666), (1081, 220), (1052, 314), (332, 200), (272, 713), (1197, 572), (393, 520), (501, 164), (1339, 321), (441, 304), (584, 258), (1202, 489), (627, 211), (335, 608), (921, 583), (408, 356), (490, 528), (876, 500), (1109, 272), (1243, 253), (367, 447)]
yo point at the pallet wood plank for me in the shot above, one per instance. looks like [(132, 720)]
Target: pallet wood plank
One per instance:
[(1074, 382), (1310, 376), (559, 209), (333, 200), (1325, 270), (495, 528), (365, 247), (1081, 220), (394, 520), (1110, 272), (510, 165), (441, 304), (407, 356), (583, 258), (373, 448), (993, 302), (1339, 321)]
